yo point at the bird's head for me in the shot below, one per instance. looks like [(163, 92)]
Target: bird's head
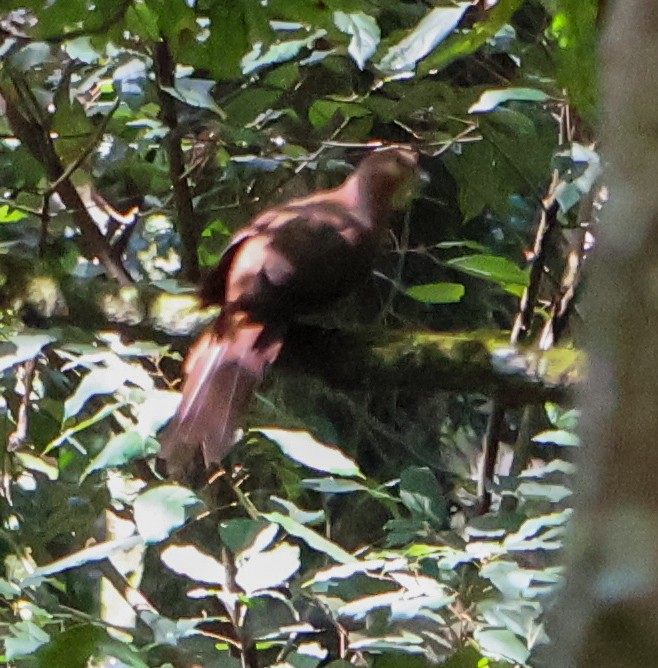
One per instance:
[(386, 177)]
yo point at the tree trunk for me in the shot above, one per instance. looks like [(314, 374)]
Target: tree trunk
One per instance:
[(608, 612)]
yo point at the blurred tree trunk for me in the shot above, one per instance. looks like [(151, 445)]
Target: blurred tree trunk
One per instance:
[(608, 613)]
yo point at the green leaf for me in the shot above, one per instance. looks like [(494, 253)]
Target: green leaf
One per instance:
[(105, 380), (404, 641), (243, 109), (161, 510), (464, 43), (360, 607), (333, 486), (297, 514), (563, 419), (247, 536), (121, 449), (158, 407), (501, 644), (311, 538), (75, 648), (491, 99), (557, 437), (81, 557), (196, 93), (37, 464), (344, 571), (9, 215), (436, 293), (24, 638), (491, 268), (142, 21), (269, 569), (421, 494), (431, 30), (543, 491), (83, 424), (8, 590), (30, 56), (82, 49), (539, 533), (575, 27), (277, 53), (508, 577), (72, 648), (228, 40), (303, 448), (193, 563), (365, 35), (22, 347), (322, 112)]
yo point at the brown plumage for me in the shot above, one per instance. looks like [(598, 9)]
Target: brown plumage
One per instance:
[(292, 259)]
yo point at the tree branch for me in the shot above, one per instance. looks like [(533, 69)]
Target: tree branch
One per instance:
[(30, 130), (188, 227)]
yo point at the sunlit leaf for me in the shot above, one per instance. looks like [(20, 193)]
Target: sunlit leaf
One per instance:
[(277, 53), (297, 514), (31, 55), (81, 557), (193, 563), (38, 464), (346, 570), (463, 43), (311, 538), (490, 99), (22, 347), (557, 437), (360, 607), (268, 569), (333, 485), (23, 638), (196, 93), (431, 30), (405, 642), (161, 510), (365, 35), (539, 533), (122, 449), (508, 577), (105, 379), (436, 293), (501, 644), (155, 411), (244, 536), (491, 268), (303, 448), (10, 215), (542, 490)]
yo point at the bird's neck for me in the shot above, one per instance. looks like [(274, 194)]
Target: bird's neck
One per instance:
[(365, 200)]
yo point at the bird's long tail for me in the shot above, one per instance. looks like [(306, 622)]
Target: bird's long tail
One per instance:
[(222, 372)]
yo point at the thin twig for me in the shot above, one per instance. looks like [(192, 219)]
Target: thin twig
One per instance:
[(87, 151), (44, 216), (19, 436)]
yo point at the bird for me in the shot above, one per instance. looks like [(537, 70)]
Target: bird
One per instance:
[(293, 259)]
